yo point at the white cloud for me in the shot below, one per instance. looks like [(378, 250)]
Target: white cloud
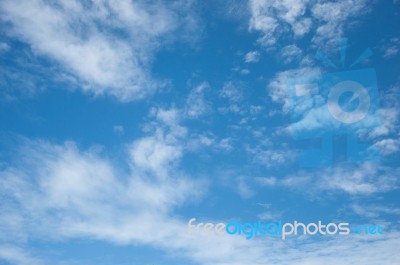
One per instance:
[(82, 39), (373, 211), (388, 115), (387, 146), (363, 179), (209, 140), (266, 181), (326, 20), (390, 47), (387, 118), (226, 144), (328, 252), (73, 193), (271, 157), (196, 104), (167, 120), (315, 118), (232, 91), (334, 16), (119, 129), (244, 71), (268, 213), (262, 21), (277, 87), (200, 141), (313, 114), (17, 256), (391, 51), (155, 154), (308, 106), (290, 53), (252, 57), (366, 180), (244, 189), (61, 192), (271, 17)]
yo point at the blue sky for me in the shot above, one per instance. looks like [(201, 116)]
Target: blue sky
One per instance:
[(121, 120)]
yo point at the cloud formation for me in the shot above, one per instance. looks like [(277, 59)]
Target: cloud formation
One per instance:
[(107, 47), (326, 21)]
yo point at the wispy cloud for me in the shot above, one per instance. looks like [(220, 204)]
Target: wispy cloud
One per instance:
[(244, 189), (196, 104), (333, 17), (119, 129), (387, 146), (391, 47), (62, 192), (109, 48), (252, 57), (278, 86), (365, 180), (373, 211), (290, 53), (18, 256), (325, 20), (234, 93), (270, 17)]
